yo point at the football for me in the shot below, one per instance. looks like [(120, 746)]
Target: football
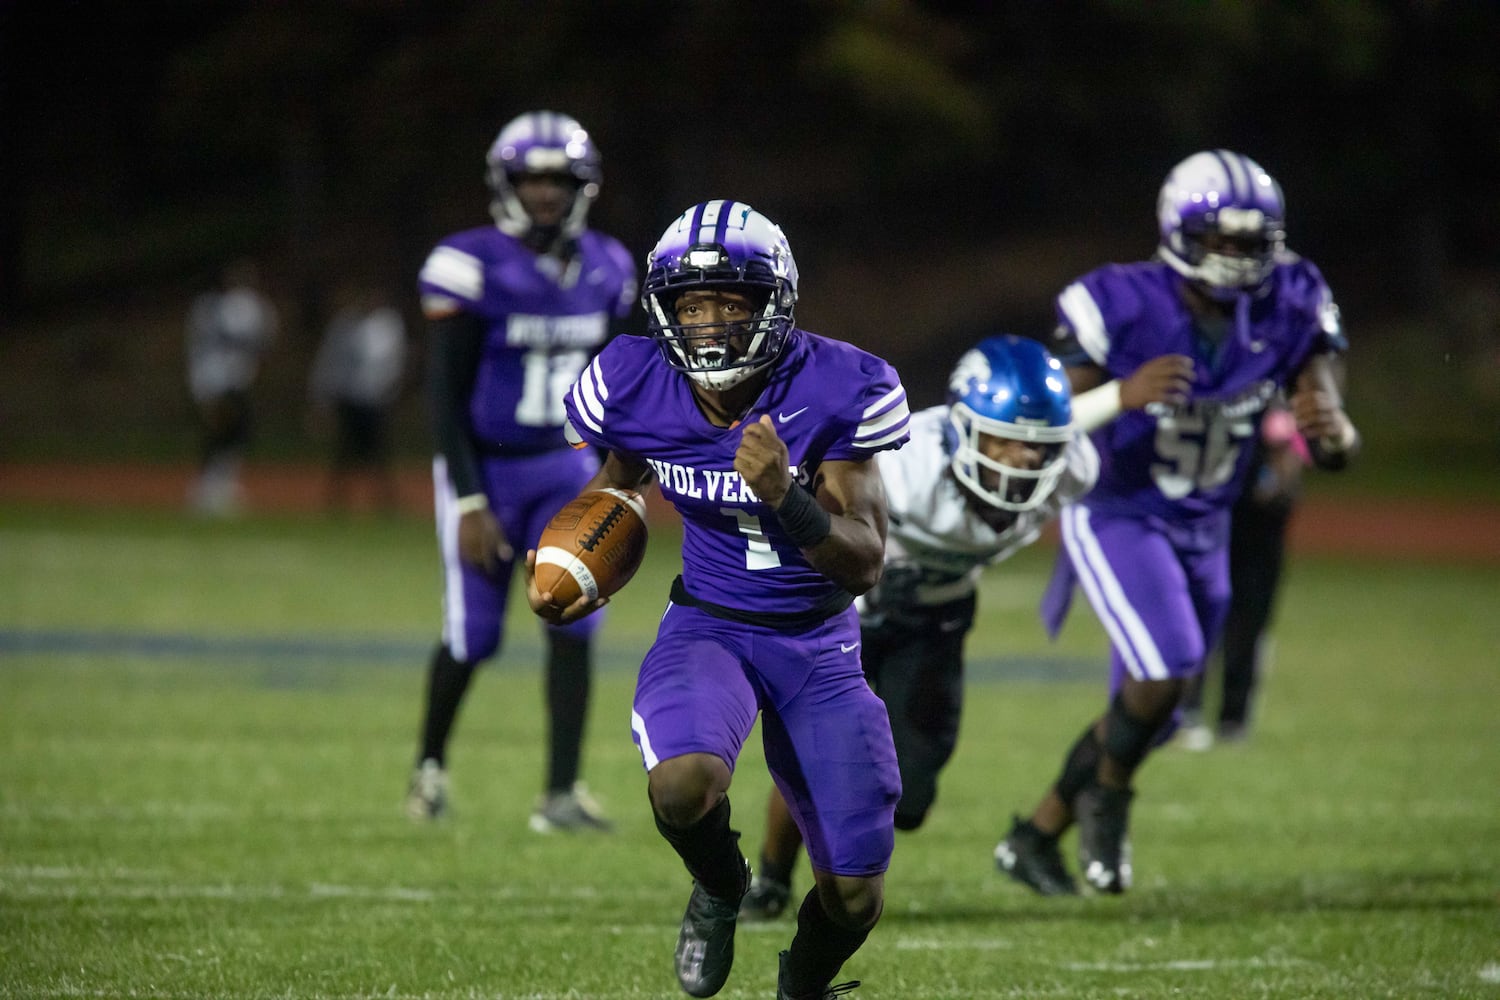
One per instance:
[(592, 547)]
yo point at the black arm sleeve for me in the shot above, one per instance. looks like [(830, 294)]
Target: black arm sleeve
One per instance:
[(457, 342)]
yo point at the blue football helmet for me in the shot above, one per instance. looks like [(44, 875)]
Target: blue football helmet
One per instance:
[(1008, 387), (542, 142), (1219, 193), (724, 245)]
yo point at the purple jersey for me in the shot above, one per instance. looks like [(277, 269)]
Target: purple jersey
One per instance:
[(542, 322), (1191, 461), (830, 401)]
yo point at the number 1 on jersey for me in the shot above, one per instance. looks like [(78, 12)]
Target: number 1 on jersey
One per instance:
[(758, 551)]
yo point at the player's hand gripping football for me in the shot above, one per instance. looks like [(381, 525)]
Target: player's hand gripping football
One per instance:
[(762, 461), (541, 600), (482, 542), (1167, 379)]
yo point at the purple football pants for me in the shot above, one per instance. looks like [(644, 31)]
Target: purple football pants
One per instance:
[(524, 492), (827, 736), (1161, 590)]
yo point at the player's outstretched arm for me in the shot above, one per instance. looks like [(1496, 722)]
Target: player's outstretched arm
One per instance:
[(1319, 408), (1165, 379)]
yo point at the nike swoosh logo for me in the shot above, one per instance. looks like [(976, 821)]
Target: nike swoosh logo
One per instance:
[(784, 417), (849, 648)]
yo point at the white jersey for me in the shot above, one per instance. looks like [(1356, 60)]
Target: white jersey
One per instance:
[(361, 358), (227, 332), (935, 530)]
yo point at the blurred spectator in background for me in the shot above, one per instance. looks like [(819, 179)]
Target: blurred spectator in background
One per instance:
[(1257, 547), (356, 379), (229, 327)]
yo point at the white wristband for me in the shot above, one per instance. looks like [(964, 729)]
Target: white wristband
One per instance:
[(471, 503), (1097, 407)]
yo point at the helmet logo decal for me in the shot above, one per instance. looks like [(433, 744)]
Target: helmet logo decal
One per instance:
[(973, 366), (779, 258)]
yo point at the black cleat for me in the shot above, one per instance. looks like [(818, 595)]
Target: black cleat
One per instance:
[(766, 900), (1103, 816), (1032, 858), (782, 993), (705, 945)]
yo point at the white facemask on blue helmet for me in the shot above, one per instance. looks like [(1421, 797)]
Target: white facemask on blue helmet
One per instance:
[(726, 246), (1008, 387)]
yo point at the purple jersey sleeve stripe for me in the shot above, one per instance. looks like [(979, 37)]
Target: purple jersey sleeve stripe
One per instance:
[(882, 425), (583, 413), (597, 389), (455, 272), (889, 401), (588, 395), (1082, 313), (893, 425), (592, 394), (901, 433)]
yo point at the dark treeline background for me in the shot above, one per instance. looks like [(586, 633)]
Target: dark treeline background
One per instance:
[(941, 169)]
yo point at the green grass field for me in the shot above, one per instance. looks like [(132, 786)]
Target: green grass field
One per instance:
[(206, 729)]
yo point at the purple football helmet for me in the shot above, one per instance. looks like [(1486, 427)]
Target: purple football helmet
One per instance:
[(542, 142), (1009, 387), (724, 245), (1216, 199)]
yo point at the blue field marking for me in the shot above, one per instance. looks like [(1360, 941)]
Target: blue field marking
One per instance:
[(59, 641), (415, 652)]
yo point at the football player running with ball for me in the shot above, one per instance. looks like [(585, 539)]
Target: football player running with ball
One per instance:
[(983, 475), (763, 436), (515, 310), (1245, 320)]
